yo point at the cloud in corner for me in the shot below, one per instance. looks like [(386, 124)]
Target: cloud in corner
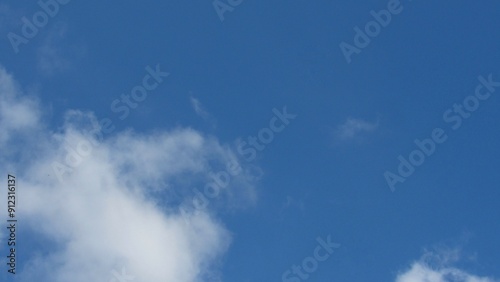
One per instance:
[(438, 267), (104, 218)]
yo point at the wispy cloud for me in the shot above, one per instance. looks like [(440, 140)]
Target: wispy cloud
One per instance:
[(51, 57), (352, 128), (18, 114), (200, 111), (290, 202), (103, 218)]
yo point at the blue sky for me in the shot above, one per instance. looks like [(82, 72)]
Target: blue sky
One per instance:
[(168, 186)]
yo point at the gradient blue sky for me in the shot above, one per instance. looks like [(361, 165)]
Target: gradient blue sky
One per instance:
[(324, 173)]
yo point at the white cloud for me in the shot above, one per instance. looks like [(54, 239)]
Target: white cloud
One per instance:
[(51, 58), (200, 111), (353, 127), (17, 113), (103, 217), (293, 203), (438, 267), (422, 273)]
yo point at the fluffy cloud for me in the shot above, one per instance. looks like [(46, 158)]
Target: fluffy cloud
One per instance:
[(116, 209), (421, 272), (438, 267)]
